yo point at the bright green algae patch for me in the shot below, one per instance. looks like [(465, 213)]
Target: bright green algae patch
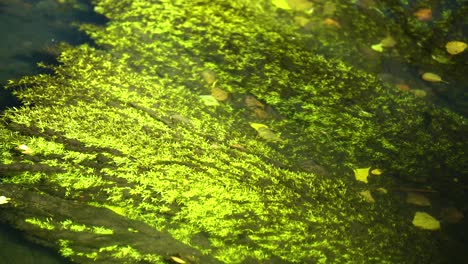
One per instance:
[(127, 165)]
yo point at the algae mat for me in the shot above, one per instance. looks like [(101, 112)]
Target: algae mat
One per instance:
[(144, 149)]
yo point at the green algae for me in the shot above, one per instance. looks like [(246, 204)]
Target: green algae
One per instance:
[(121, 141)]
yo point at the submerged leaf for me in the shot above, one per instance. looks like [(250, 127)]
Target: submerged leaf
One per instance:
[(209, 100), (257, 126), (377, 47), (425, 221), (423, 14), (283, 4), (266, 133), (417, 199), (219, 94), (361, 174), (388, 42), (455, 47), (432, 77)]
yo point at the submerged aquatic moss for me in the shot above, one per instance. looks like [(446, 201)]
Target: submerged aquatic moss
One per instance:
[(123, 146)]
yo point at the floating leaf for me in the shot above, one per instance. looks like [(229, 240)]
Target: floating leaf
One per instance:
[(361, 174), (376, 172), (432, 77), (455, 47)]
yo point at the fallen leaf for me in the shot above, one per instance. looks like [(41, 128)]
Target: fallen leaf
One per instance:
[(367, 196), (4, 200), (425, 221), (361, 174), (209, 100), (331, 22), (417, 199), (252, 102), (257, 126), (377, 47), (209, 76), (441, 58), (432, 77), (301, 21), (25, 149), (299, 5), (455, 47), (403, 87), (382, 190), (388, 42), (219, 94), (283, 4), (260, 113), (177, 260), (266, 133), (423, 14), (418, 92), (451, 215)]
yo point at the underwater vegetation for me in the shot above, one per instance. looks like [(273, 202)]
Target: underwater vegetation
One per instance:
[(234, 132)]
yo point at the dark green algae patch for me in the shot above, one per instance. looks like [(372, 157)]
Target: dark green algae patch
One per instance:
[(125, 164)]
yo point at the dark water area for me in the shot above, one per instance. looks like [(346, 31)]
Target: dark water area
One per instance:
[(14, 249), (31, 31)]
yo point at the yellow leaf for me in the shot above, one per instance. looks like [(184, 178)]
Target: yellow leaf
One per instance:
[(425, 221), (367, 196), (377, 47), (382, 190), (455, 47), (388, 42), (178, 260), (283, 4), (361, 174), (432, 77), (257, 126), (209, 100), (266, 133)]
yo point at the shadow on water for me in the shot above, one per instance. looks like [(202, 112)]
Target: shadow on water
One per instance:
[(15, 249), (31, 31)]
